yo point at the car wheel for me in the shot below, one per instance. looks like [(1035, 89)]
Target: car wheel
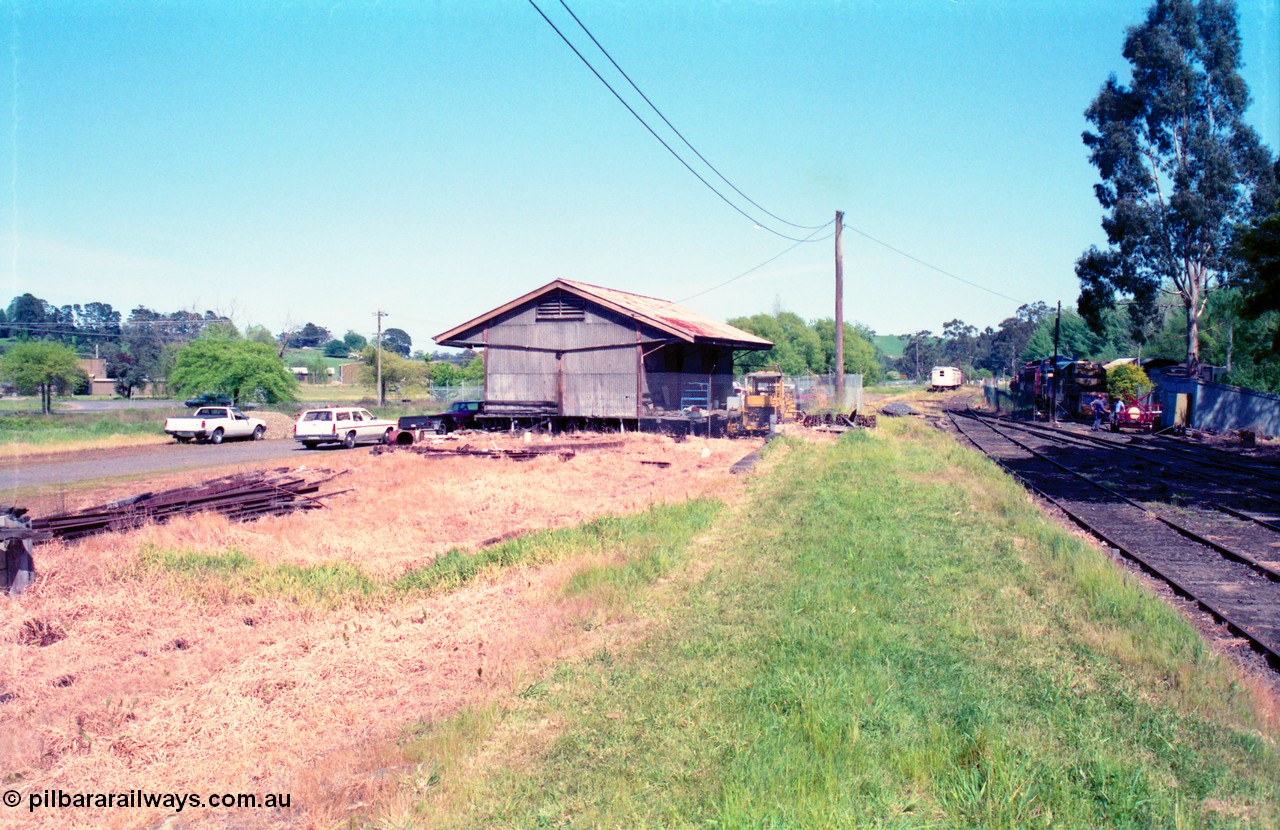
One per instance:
[(216, 438), (258, 432), (386, 436), (182, 440), (310, 445), (349, 440)]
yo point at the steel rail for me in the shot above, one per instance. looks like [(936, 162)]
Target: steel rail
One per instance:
[(1260, 641), (1195, 455), (1154, 455), (239, 497), (1267, 570)]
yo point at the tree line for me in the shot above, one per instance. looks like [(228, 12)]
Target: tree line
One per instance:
[(190, 352), (143, 346), (1244, 345)]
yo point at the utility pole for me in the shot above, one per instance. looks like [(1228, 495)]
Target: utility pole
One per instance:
[(1053, 387), (380, 314), (1230, 343), (839, 312)]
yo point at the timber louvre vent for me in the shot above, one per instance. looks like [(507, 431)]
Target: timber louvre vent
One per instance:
[(559, 307)]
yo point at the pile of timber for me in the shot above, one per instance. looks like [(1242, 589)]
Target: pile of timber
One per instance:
[(522, 453), (243, 497)]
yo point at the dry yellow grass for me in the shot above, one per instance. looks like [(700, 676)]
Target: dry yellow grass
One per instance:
[(11, 451), (120, 679)]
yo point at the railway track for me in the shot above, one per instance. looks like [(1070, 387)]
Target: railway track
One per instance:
[(1242, 490), (1175, 520), (1208, 462)]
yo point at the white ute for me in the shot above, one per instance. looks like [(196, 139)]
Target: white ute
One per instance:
[(213, 424), (345, 425)]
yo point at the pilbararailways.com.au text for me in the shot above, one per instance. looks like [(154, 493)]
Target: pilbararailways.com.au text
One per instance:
[(142, 799)]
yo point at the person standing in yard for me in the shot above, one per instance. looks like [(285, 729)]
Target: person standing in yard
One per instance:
[(1099, 412)]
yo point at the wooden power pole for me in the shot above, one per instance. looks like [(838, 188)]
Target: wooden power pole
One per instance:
[(1054, 384), (380, 314), (839, 367)]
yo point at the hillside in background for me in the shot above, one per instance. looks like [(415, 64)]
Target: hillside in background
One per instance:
[(891, 344)]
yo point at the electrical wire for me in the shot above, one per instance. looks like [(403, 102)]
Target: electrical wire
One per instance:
[(763, 264), (666, 121), (725, 199), (654, 133), (930, 266)]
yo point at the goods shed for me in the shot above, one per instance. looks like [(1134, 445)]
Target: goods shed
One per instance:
[(579, 351)]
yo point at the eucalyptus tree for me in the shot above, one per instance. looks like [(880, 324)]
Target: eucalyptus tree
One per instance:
[(1180, 169), (1260, 249)]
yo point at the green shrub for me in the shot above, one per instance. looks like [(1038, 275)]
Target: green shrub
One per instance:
[(1127, 381)]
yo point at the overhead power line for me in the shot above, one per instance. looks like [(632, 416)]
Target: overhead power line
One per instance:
[(752, 270), (666, 121), (797, 240), (759, 223), (930, 266), (824, 237)]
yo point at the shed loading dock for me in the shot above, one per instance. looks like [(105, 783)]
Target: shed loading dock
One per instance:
[(583, 352)]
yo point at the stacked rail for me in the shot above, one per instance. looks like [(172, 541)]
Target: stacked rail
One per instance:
[(242, 497)]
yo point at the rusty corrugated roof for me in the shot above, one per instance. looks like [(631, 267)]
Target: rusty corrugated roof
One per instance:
[(671, 315), (681, 322)]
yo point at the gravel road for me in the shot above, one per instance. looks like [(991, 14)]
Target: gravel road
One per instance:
[(44, 471)]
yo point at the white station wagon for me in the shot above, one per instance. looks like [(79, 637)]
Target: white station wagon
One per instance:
[(345, 425)]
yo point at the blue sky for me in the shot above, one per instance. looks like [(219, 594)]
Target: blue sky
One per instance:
[(291, 162)]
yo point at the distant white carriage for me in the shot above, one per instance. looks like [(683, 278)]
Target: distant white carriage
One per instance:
[(942, 378)]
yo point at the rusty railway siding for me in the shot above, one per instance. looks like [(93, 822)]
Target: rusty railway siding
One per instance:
[(1197, 533), (1232, 498), (1234, 593), (1213, 456), (1205, 462)]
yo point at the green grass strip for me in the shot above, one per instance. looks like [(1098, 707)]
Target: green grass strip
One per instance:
[(234, 576), (61, 428), (892, 636)]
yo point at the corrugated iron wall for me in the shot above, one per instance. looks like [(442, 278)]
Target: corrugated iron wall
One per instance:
[(1217, 407), (586, 366)]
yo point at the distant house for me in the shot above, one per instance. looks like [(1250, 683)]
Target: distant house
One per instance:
[(304, 375), (349, 373), (582, 351), (99, 382)]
